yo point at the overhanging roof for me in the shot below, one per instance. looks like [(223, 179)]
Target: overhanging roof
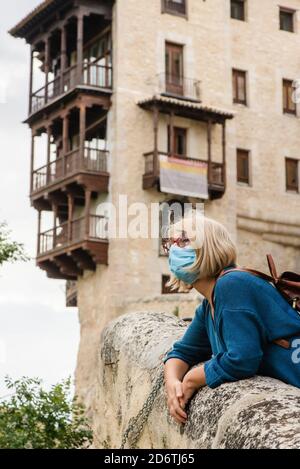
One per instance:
[(38, 14), (35, 16), (186, 108)]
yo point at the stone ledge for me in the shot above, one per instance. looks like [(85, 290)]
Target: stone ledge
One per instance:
[(259, 412)]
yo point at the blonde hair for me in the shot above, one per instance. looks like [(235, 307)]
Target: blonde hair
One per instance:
[(213, 245)]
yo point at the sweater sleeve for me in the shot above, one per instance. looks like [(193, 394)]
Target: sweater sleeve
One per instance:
[(194, 347), (242, 334)]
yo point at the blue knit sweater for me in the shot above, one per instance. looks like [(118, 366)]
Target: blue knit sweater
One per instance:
[(237, 344)]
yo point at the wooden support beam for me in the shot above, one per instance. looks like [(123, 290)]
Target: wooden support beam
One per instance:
[(209, 153), (224, 169), (54, 209), (171, 127), (31, 79), (155, 129), (47, 66), (49, 133), (70, 215), (87, 212), (63, 56), (65, 141), (82, 132), (39, 233), (32, 161), (83, 260), (80, 36)]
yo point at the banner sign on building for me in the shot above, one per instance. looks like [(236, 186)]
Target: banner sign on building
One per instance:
[(183, 177)]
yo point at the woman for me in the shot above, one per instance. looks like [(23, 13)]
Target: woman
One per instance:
[(234, 328)]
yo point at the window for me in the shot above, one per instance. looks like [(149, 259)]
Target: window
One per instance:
[(289, 106), (292, 174), (243, 173), (178, 146), (286, 20), (239, 87), (238, 9), (174, 69), (175, 7)]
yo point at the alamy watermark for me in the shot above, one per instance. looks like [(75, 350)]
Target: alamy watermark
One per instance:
[(139, 220), (296, 352)]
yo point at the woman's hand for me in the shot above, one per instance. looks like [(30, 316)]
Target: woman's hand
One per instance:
[(193, 380), (174, 390)]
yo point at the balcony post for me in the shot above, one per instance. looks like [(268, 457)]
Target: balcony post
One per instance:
[(63, 57), (224, 153), (54, 209), (47, 67), (39, 233), (82, 132), (155, 128), (87, 212), (171, 129), (31, 79), (65, 141), (70, 215), (80, 35), (48, 152), (32, 160), (209, 151)]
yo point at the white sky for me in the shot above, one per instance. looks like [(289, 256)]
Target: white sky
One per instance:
[(38, 335)]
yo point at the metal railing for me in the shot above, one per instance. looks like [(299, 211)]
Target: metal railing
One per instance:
[(217, 170), (179, 87), (93, 227), (93, 160), (92, 74)]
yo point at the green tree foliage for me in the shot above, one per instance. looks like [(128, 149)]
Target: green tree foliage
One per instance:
[(10, 251), (34, 418)]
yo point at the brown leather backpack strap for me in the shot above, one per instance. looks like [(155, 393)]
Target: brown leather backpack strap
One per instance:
[(284, 343), (272, 267), (251, 271)]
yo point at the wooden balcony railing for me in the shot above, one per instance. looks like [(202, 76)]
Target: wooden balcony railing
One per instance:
[(179, 87), (93, 227), (93, 160), (216, 171), (93, 74)]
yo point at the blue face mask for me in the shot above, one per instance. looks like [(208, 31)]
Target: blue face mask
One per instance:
[(179, 260)]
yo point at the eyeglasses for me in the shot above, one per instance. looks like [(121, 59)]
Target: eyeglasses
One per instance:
[(181, 242)]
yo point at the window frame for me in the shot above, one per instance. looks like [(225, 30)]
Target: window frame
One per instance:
[(235, 73), (289, 188), (289, 11), (174, 83), (177, 130), (239, 152), (242, 2), (287, 109), (168, 10)]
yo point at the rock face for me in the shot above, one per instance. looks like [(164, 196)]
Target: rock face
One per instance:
[(260, 412)]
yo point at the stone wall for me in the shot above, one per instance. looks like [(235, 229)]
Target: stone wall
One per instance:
[(259, 412)]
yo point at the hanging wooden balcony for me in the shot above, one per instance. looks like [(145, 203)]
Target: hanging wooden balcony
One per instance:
[(71, 172), (65, 251), (98, 77), (215, 173)]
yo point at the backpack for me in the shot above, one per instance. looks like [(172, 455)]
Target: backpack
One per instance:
[(288, 285)]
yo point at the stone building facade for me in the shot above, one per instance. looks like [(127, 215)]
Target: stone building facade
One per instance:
[(233, 62)]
